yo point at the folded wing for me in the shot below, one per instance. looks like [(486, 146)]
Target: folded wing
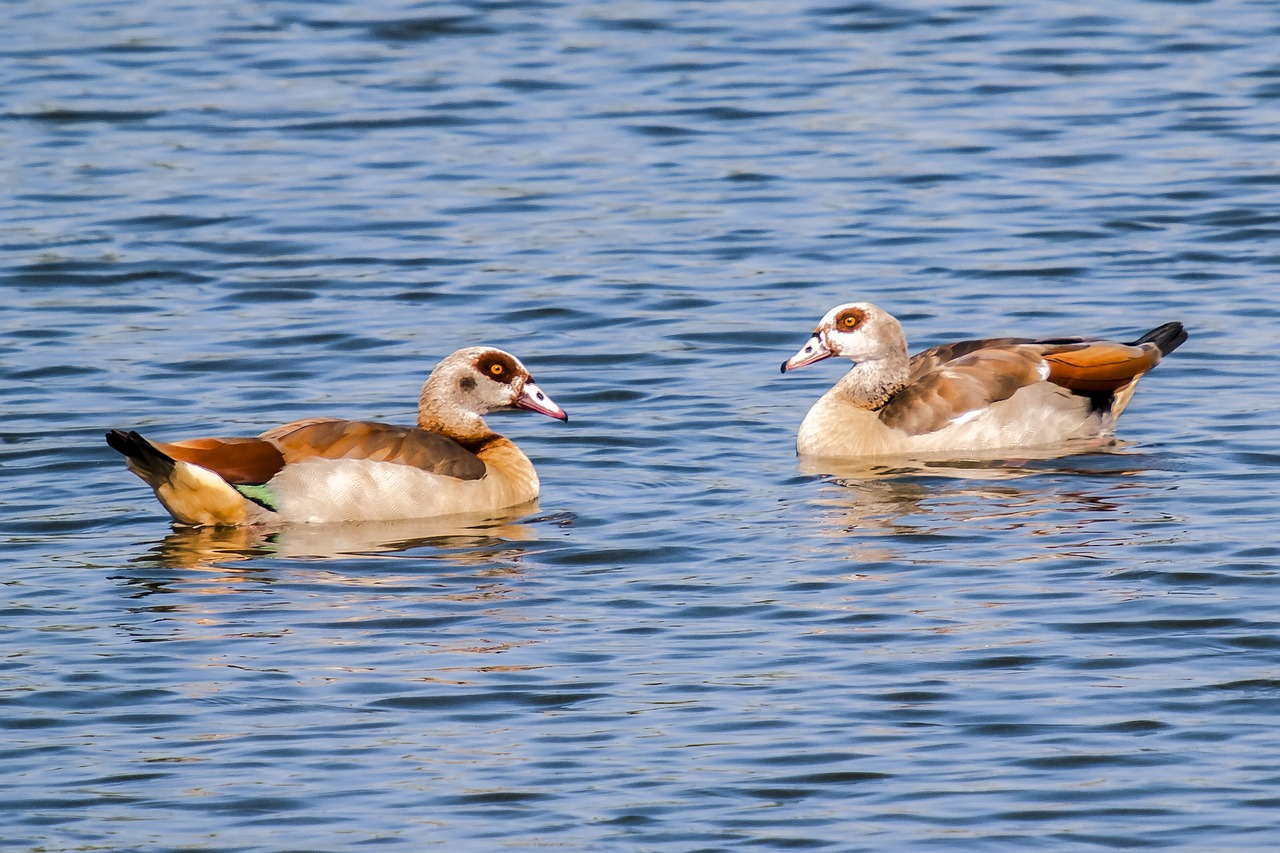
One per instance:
[(949, 381), (961, 385), (253, 461), (378, 442)]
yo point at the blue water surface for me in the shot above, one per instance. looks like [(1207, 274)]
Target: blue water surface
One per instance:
[(222, 216)]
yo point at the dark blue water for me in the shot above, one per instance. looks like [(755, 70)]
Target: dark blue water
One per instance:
[(219, 217)]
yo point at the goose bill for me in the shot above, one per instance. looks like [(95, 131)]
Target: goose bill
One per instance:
[(813, 351), (535, 399)]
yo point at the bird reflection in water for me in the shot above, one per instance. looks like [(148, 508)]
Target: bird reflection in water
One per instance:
[(922, 495), (208, 547), (208, 584)]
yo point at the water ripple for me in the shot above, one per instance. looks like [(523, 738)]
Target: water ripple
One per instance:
[(232, 217)]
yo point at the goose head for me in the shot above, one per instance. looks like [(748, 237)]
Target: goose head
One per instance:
[(858, 331), (475, 381)]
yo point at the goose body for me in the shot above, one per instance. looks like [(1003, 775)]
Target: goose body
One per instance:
[(972, 396), (331, 470)]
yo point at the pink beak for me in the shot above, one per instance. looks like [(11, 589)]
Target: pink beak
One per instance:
[(814, 350), (535, 399)]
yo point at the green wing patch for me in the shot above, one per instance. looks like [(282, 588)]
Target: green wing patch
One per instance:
[(261, 495)]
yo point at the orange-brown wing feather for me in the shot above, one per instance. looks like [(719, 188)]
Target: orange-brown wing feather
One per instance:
[(418, 448), (246, 461), (986, 375), (1099, 366)]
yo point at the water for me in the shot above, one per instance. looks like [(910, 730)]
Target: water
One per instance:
[(219, 217)]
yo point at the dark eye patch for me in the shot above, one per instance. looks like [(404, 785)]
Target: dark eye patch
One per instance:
[(850, 319), (497, 366)]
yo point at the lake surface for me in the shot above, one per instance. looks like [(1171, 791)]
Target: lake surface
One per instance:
[(220, 217)]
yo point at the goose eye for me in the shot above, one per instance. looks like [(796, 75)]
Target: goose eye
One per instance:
[(848, 321), (498, 367)]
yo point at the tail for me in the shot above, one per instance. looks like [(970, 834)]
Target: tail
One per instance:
[(192, 494), (144, 459), (1167, 338), (1107, 372)]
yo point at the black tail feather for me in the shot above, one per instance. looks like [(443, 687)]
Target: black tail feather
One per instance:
[(141, 453), (1168, 337)]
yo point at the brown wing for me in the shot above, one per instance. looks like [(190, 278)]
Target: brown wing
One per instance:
[(987, 374), (1099, 366), (418, 448), (931, 359), (949, 380), (928, 360), (284, 429), (246, 461)]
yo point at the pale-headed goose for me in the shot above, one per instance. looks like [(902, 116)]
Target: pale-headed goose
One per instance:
[(325, 469), (980, 395)]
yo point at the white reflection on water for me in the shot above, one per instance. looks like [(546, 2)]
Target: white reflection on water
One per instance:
[(1045, 492), (204, 547), (996, 465)]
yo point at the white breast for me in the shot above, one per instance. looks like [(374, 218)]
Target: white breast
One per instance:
[(1037, 415), (334, 490)]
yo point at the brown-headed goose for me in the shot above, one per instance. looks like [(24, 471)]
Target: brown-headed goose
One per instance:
[(325, 469), (980, 395)]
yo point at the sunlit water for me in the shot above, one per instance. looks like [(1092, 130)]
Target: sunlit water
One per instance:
[(219, 217)]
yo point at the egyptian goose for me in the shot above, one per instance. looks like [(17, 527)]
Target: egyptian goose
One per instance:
[(981, 395), (327, 470)]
